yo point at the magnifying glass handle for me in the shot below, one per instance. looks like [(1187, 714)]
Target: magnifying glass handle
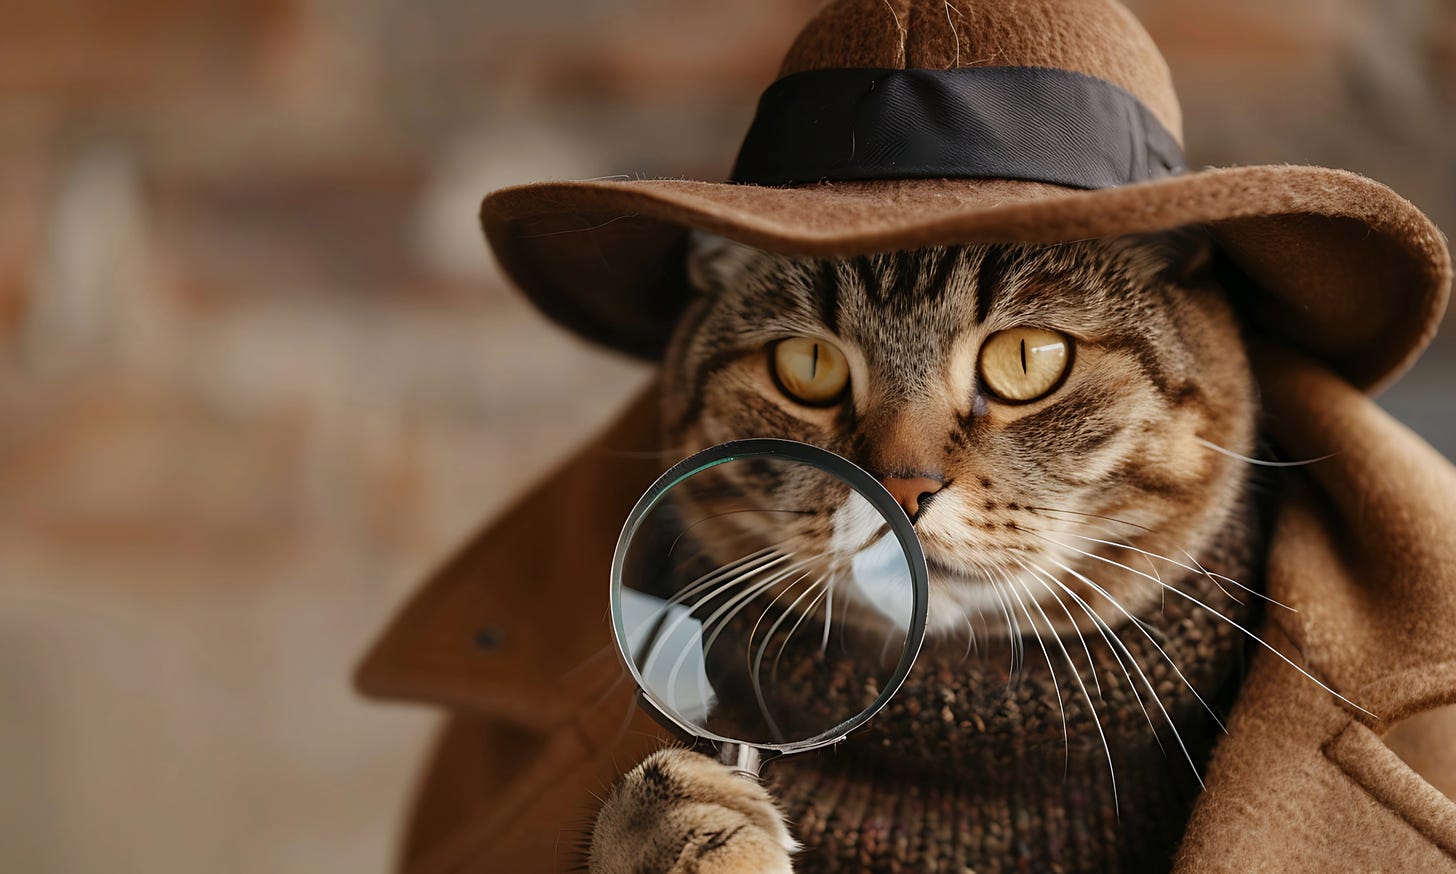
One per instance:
[(743, 759)]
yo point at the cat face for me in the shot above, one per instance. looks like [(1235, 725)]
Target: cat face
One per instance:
[(1057, 418)]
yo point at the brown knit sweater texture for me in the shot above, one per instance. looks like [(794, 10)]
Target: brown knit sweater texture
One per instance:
[(969, 767)]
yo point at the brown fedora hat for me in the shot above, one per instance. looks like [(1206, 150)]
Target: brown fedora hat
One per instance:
[(898, 124)]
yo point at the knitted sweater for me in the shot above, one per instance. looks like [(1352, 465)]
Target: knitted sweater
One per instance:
[(968, 767)]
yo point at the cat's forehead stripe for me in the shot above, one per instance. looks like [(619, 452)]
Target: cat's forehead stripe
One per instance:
[(945, 267), (869, 280), (989, 273), (826, 293), (906, 278)]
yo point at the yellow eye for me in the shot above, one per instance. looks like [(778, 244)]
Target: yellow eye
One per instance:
[(1024, 364), (809, 370)]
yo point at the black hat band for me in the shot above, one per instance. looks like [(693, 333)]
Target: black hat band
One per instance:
[(1030, 123)]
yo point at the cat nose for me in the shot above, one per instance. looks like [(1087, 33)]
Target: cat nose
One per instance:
[(912, 493)]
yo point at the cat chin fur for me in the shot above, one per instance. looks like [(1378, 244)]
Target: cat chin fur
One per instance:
[(955, 600), (955, 596)]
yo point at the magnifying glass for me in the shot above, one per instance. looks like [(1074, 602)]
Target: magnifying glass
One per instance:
[(768, 597)]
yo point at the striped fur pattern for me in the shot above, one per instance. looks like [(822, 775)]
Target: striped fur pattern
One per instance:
[(1131, 458), (1158, 374)]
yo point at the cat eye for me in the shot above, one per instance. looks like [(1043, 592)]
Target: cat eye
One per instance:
[(1024, 364), (809, 370)]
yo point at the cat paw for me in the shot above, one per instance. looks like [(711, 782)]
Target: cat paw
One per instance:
[(681, 812)]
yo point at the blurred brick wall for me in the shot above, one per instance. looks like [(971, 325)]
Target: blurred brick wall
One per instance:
[(258, 373)]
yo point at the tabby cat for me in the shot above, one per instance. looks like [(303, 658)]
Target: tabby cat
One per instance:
[(1065, 424)]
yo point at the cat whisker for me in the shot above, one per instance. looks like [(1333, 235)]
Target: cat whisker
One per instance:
[(700, 550), (625, 724), (1013, 630), (1102, 526), (1150, 577), (1260, 641), (753, 632), (1148, 556), (1102, 558), (1083, 638), (1246, 632), (595, 654), (828, 620), (1146, 633), (724, 615), (1077, 675), (985, 626), (1162, 596), (1143, 528), (1150, 638), (758, 556), (1151, 689), (594, 227), (819, 583), (717, 622), (783, 591), (717, 590), (755, 669), (684, 533), (970, 637), (1103, 629), (1196, 568), (605, 693), (747, 564), (1056, 686), (1214, 576), (1259, 461), (753, 665)]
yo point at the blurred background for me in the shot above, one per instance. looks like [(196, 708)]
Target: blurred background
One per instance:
[(258, 373)]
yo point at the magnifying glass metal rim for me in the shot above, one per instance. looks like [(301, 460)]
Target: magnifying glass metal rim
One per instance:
[(870, 488)]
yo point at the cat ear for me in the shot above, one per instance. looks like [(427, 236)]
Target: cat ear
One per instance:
[(1184, 256), (716, 263), (1190, 255)]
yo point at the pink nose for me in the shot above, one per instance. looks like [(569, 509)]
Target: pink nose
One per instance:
[(911, 492)]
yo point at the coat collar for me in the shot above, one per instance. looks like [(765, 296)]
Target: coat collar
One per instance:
[(515, 625)]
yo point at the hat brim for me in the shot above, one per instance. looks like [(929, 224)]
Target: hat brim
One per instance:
[(1350, 271)]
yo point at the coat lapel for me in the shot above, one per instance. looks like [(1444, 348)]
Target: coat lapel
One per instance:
[(1362, 549)]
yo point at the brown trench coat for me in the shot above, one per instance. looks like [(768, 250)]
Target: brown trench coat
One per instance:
[(512, 638)]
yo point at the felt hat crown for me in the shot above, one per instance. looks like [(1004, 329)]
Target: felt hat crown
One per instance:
[(898, 124)]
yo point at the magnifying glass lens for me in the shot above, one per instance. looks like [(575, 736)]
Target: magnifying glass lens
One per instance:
[(765, 593)]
